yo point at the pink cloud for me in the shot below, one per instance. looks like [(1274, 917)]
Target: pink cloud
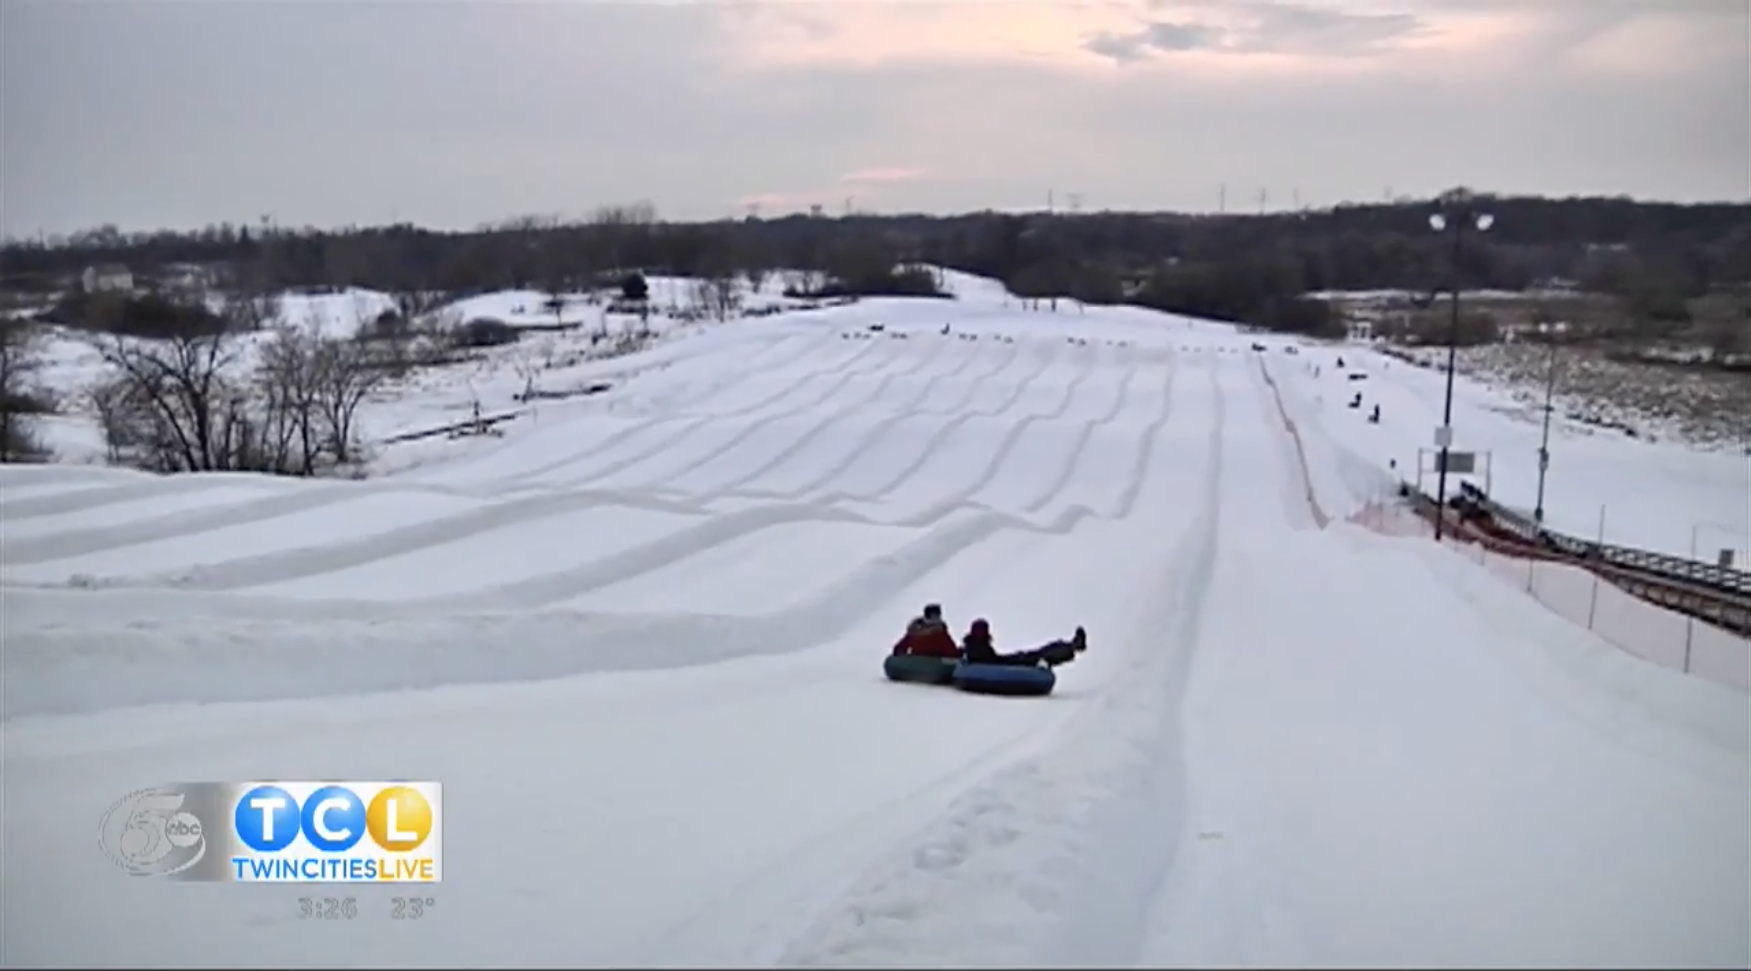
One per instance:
[(781, 36), (774, 203), (859, 183), (884, 174)]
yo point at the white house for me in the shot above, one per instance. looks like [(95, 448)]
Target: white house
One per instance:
[(107, 276), (188, 278)]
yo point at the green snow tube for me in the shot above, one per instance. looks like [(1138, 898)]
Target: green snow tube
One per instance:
[(918, 669)]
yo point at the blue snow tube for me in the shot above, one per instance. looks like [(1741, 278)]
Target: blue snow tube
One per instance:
[(919, 669), (1004, 679)]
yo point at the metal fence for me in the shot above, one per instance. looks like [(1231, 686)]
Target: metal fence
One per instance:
[(1725, 579)]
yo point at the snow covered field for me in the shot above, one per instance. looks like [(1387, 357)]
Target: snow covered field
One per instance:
[(649, 629)]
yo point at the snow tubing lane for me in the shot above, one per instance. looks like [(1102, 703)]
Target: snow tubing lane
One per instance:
[(917, 669), (1004, 679)]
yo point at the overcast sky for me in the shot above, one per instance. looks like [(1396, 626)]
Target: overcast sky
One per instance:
[(153, 113)]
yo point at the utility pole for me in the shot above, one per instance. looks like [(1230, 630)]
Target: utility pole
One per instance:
[(1263, 195), (1222, 200)]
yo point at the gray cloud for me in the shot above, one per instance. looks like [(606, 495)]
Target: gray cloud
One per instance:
[(1263, 27), (1181, 37), (153, 114)]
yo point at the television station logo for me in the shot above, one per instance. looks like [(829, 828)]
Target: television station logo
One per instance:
[(279, 832)]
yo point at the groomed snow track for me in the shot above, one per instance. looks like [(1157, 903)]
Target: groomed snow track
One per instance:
[(652, 633)]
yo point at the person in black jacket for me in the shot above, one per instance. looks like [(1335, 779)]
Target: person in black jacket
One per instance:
[(978, 647)]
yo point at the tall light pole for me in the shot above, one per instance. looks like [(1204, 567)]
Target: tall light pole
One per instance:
[(1458, 209), (1544, 443)]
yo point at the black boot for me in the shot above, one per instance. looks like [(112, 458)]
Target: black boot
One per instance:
[(1079, 640), (1057, 652)]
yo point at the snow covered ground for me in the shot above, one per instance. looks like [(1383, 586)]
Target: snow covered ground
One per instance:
[(638, 640)]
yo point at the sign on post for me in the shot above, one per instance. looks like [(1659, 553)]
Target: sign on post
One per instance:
[(1457, 463)]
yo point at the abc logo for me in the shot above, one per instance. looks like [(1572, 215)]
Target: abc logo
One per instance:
[(183, 830), (333, 819)]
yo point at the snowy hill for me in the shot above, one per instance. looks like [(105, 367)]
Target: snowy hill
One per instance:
[(638, 640), (558, 347)]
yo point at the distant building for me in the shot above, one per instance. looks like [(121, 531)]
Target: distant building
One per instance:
[(107, 276), (187, 278)]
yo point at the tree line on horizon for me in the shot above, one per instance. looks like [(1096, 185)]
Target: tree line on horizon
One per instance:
[(1655, 258)]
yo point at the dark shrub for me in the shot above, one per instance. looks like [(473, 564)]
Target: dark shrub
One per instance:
[(635, 287), (486, 332)]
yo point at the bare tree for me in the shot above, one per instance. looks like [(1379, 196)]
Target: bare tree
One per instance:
[(126, 421), (635, 335), (346, 373), (179, 405), (756, 271), (527, 361), (390, 329), (415, 304), (717, 289), (617, 226), (248, 301), (715, 296), (173, 399), (289, 399), (410, 285), (436, 333), (560, 261), (608, 226), (20, 397)]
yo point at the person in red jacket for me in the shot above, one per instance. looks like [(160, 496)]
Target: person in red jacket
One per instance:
[(927, 636)]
